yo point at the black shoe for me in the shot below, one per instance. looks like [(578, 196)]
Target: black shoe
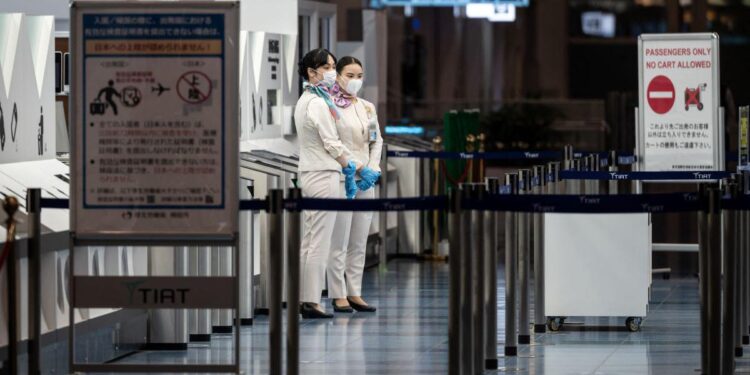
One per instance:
[(361, 308), (339, 309), (309, 312)]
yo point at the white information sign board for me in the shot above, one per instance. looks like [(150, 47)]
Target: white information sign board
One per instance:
[(155, 119), (679, 109)]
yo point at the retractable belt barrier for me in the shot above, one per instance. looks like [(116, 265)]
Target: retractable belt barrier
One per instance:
[(644, 176), (630, 203), (624, 159)]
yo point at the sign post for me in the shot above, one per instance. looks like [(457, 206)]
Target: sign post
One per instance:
[(154, 156), (679, 118)]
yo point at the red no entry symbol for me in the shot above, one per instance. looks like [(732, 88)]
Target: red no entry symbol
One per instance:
[(660, 94), (194, 87)]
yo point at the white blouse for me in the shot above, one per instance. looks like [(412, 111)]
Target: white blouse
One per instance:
[(353, 129), (319, 141)]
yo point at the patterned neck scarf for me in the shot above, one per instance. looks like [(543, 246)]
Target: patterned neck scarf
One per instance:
[(324, 93), (340, 97)]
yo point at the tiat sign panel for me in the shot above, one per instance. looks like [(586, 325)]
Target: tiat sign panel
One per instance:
[(680, 128), (155, 120)]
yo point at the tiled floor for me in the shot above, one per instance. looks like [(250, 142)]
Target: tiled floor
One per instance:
[(408, 335)]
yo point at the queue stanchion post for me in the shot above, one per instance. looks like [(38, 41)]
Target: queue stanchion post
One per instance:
[(481, 148), (294, 230), (490, 268), (553, 178), (745, 230), (511, 269), (738, 261), (567, 164), (34, 206), (383, 216), (467, 292), (729, 266), (477, 239), (436, 147), (470, 140), (540, 188), (454, 297), (613, 188), (524, 242), (713, 275), (10, 206), (703, 284), (275, 278), (568, 157)]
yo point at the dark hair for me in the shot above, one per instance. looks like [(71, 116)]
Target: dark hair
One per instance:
[(345, 61), (314, 60)]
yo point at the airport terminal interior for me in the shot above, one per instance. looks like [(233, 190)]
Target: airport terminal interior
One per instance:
[(375, 187)]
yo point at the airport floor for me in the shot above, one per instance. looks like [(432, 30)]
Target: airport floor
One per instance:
[(408, 335)]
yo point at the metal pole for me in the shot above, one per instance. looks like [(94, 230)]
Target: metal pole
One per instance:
[(34, 205), (383, 216), (540, 176), (454, 262), (739, 269), (729, 273), (467, 286), (293, 290), (275, 278), (511, 268), (10, 206), (477, 267), (524, 239), (613, 168), (713, 274), (703, 250), (568, 156), (491, 220)]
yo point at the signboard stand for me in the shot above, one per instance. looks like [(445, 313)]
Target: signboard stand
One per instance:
[(154, 154)]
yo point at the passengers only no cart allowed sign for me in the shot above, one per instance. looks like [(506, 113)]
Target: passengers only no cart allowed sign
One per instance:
[(679, 106)]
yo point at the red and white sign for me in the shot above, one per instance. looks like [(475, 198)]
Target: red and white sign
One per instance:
[(679, 127), (660, 94)]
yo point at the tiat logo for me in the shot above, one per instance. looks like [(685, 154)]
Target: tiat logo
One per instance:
[(618, 176), (689, 197), (465, 155), (649, 208), (401, 154), (531, 155), (702, 176), (538, 207), (589, 200), (132, 286), (394, 206)]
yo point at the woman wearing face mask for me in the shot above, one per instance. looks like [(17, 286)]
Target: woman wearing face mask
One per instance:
[(360, 133), (323, 158)]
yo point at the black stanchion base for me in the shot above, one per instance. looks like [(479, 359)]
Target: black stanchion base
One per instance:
[(738, 352), (261, 311), (246, 321), (540, 328), (222, 329), (524, 339), (164, 346), (324, 293), (200, 337), (745, 340), (491, 364), (511, 351)]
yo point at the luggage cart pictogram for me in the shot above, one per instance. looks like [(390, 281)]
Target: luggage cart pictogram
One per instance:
[(693, 97)]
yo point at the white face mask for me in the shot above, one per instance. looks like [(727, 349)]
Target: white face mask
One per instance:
[(353, 86), (329, 78)]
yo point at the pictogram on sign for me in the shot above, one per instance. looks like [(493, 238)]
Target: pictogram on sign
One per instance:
[(660, 94), (194, 87)]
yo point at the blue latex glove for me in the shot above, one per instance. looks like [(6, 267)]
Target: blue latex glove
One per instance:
[(349, 184), (369, 176)]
